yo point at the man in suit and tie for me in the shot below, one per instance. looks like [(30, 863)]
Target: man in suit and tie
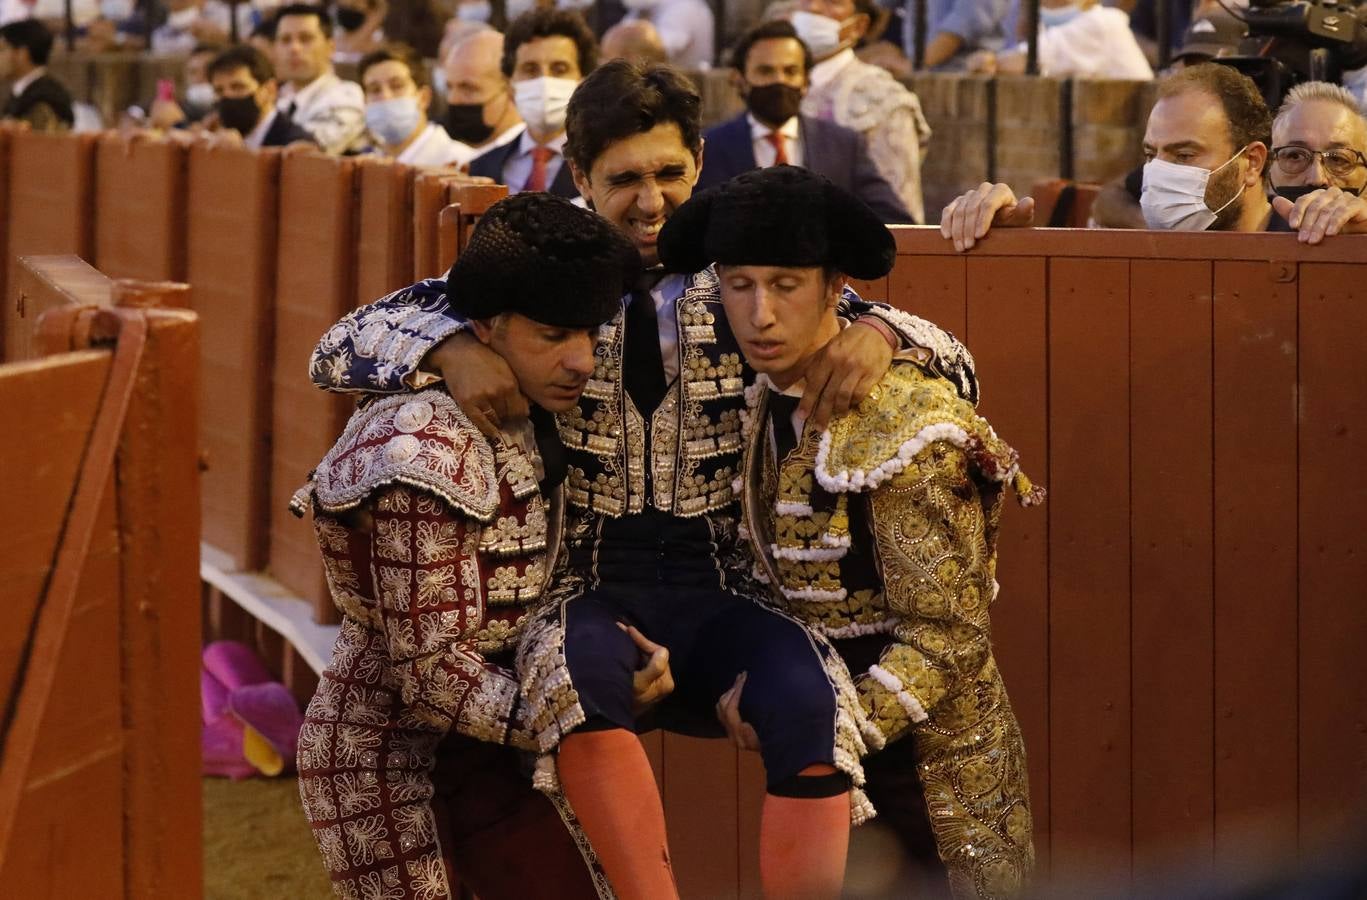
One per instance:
[(546, 53), (245, 94), (772, 68)]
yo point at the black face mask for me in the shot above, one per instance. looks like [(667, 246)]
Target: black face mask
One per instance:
[(238, 113), (465, 123), (774, 104), (349, 19), (1298, 191)]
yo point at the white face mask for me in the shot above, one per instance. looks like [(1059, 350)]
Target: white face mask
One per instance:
[(393, 120), (541, 102), (182, 19), (821, 34), (199, 96), (474, 12), (1174, 196), (116, 10)]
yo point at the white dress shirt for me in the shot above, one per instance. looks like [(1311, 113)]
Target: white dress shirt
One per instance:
[(330, 109), (20, 85), (434, 147), (518, 168), (765, 151), (1096, 43)]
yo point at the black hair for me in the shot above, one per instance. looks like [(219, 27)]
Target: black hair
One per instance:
[(542, 22), (395, 52), (621, 99), (776, 29), (30, 34), (304, 9), (243, 56)]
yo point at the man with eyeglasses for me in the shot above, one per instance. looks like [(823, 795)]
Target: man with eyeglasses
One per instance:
[(1318, 169), (1207, 143)]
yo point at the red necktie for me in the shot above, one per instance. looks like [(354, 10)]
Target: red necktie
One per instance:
[(780, 154), (537, 180)]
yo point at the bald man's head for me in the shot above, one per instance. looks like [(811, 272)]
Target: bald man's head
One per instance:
[(474, 77), (635, 41)]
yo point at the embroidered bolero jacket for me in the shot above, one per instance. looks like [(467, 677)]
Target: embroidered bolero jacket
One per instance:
[(886, 523), (439, 542)]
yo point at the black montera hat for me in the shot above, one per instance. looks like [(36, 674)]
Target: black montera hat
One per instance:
[(779, 216), (545, 258)]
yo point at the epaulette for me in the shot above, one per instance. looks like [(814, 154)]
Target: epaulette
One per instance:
[(421, 439), (907, 411)]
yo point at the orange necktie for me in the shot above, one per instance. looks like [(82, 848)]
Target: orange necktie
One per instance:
[(537, 180), (780, 154)]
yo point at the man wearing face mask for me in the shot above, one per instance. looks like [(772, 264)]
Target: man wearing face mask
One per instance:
[(687, 28), (245, 87), (1319, 161), (771, 67), (1207, 144), (479, 105), (196, 100), (546, 53), (397, 99), (847, 91)]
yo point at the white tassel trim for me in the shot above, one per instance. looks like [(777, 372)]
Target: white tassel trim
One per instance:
[(857, 629), (913, 707), (830, 540), (814, 594), (859, 480), (808, 554), (789, 508)]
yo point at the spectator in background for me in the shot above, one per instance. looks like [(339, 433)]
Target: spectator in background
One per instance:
[(263, 36), (479, 102), (845, 90), (35, 96), (546, 53), (245, 92), (397, 99), (772, 68), (1207, 145), (1212, 33), (193, 22), (360, 23), (480, 11), (1319, 161), (330, 109), (687, 29), (1077, 38), (417, 23), (196, 97), (956, 28), (636, 41)]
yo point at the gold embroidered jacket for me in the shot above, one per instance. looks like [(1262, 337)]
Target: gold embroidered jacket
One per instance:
[(887, 524), (455, 554)]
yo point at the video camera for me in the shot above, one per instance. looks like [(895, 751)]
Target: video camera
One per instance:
[(1290, 41)]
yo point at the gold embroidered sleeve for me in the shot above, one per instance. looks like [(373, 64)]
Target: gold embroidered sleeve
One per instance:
[(930, 527), (431, 606)]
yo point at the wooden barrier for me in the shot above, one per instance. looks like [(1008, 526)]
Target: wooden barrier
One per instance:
[(232, 201), (140, 208), (384, 253), (315, 286), (99, 772), (51, 195)]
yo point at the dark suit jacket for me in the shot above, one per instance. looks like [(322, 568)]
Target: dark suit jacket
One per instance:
[(285, 130), (42, 91), (491, 164), (830, 150)]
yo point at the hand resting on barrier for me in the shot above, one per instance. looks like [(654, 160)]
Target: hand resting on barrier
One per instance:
[(1323, 213), (968, 217)]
